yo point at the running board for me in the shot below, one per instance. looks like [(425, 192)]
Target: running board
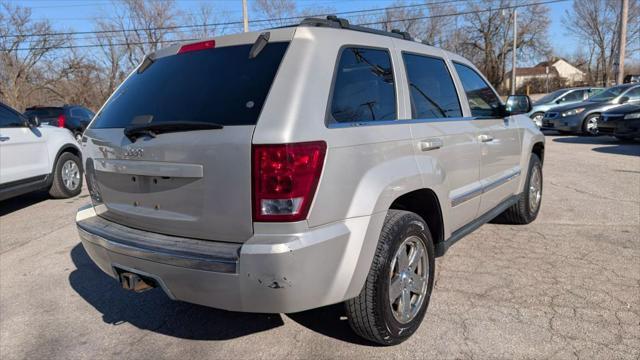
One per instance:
[(442, 247)]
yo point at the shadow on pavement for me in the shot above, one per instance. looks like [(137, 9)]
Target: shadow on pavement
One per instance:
[(330, 321), (154, 311), (20, 202), (614, 146)]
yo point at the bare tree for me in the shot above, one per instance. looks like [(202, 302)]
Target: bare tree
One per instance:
[(596, 22), (280, 12), (22, 51), (485, 37)]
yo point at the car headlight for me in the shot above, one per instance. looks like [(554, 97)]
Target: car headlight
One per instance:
[(632, 116), (572, 112)]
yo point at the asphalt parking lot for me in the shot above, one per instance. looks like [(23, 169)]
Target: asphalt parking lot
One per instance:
[(566, 286)]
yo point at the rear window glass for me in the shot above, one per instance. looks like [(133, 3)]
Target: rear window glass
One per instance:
[(220, 85), (364, 87), (44, 113)]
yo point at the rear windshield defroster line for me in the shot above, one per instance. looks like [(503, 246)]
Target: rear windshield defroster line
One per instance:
[(221, 85)]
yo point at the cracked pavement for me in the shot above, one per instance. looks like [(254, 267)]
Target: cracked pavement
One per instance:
[(564, 287)]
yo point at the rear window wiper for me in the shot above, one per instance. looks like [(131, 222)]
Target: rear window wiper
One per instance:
[(133, 132)]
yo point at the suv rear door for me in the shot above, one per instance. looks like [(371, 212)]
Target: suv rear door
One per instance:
[(445, 142), (189, 183), (500, 136)]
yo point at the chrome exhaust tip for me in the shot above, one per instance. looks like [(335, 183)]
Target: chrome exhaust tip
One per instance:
[(134, 282)]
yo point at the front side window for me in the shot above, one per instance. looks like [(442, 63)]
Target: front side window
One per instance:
[(482, 100), (633, 94), (9, 118), (433, 94), (364, 87)]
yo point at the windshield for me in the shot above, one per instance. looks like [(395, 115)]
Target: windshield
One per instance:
[(550, 97), (609, 94), (220, 85)]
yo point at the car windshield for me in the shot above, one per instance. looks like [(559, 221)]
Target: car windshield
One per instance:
[(609, 94), (550, 97), (221, 85)]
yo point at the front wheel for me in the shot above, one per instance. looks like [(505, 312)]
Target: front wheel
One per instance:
[(397, 290), (590, 125), (526, 209), (67, 177)]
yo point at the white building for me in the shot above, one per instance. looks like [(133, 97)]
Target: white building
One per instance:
[(556, 67)]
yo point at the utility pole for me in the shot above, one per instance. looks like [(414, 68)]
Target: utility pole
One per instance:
[(622, 44), (513, 65), (245, 16)]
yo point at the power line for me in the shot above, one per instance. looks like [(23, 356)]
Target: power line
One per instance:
[(360, 24), (464, 12), (227, 23)]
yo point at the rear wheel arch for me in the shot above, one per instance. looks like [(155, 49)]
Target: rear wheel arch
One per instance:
[(425, 203)]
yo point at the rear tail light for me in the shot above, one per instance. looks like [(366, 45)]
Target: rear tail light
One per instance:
[(61, 120), (285, 178), (209, 44)]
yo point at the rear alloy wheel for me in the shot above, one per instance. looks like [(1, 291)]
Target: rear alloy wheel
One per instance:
[(590, 126), (396, 293)]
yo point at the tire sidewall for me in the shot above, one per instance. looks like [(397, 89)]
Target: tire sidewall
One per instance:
[(412, 225), (64, 157), (534, 161)]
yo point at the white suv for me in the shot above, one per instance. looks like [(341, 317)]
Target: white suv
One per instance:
[(301, 167), (36, 157)]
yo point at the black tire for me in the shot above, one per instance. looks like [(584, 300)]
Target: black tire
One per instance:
[(521, 213), (585, 125), (370, 314), (58, 188)]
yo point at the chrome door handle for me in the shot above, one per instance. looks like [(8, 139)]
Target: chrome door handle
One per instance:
[(4, 138), (431, 144), (485, 138)]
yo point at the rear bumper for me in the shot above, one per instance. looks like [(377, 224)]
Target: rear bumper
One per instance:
[(270, 273)]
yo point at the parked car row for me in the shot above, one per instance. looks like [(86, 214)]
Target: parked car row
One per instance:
[(584, 111)]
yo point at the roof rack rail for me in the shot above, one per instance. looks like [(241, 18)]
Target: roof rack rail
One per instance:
[(333, 21), (405, 35)]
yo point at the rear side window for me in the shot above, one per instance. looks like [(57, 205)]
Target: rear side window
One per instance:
[(220, 85), (364, 87), (482, 100), (44, 113), (433, 94)]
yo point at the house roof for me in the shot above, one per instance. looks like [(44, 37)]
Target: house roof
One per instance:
[(535, 71)]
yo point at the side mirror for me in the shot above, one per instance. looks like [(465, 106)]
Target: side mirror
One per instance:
[(518, 104), (623, 100), (559, 101), (32, 122)]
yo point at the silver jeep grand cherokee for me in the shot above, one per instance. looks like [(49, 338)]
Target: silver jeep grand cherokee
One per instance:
[(300, 167)]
